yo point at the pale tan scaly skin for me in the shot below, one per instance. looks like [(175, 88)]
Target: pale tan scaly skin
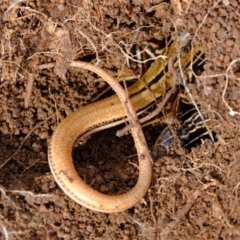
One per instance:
[(152, 85)]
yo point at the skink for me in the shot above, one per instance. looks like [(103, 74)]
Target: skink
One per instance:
[(154, 83)]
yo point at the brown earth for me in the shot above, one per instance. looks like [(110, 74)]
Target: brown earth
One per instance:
[(194, 194)]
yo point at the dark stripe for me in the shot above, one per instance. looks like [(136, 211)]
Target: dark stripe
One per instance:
[(193, 129), (158, 76), (188, 116), (194, 138), (196, 58), (154, 81)]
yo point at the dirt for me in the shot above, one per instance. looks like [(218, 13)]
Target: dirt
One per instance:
[(194, 194)]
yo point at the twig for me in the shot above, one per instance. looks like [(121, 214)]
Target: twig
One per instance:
[(137, 133), (3, 84), (29, 90), (4, 231), (24, 140), (181, 213), (95, 49), (159, 105)]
